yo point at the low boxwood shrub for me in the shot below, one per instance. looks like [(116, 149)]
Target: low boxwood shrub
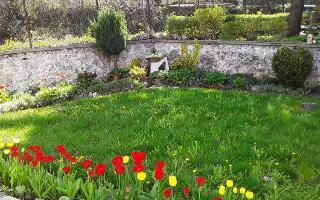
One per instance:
[(121, 85), (292, 66), (214, 78), (111, 31)]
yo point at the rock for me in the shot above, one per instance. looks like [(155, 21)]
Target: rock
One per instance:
[(4, 197), (309, 106)]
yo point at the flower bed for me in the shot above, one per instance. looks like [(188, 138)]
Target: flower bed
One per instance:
[(30, 173)]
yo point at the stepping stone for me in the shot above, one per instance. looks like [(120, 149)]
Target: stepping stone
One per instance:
[(309, 106), (5, 197)]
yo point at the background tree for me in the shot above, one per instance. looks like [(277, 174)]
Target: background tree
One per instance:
[(295, 17)]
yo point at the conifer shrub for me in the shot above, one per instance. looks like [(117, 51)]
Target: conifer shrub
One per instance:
[(111, 31)]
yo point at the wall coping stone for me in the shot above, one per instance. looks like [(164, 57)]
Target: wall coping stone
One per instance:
[(208, 42)]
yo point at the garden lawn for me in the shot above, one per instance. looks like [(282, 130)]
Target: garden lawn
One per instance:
[(265, 142)]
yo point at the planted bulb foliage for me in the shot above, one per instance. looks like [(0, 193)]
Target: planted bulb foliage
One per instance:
[(111, 31)]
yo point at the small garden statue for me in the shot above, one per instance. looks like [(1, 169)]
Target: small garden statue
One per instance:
[(157, 62)]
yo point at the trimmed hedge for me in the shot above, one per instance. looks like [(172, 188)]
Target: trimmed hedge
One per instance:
[(250, 26), (204, 24), (212, 23)]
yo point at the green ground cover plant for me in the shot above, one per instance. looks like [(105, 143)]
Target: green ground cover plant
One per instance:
[(266, 142)]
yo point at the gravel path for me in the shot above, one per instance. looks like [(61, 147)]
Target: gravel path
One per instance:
[(4, 197)]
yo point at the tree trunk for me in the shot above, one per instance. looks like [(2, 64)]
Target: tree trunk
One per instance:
[(295, 17), (27, 22), (97, 5), (147, 28)]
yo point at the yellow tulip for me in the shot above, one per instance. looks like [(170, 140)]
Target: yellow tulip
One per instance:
[(222, 191), (229, 183), (242, 190), (6, 151), (222, 187), (249, 195), (172, 181), (194, 170), (141, 176), (235, 190), (2, 144), (10, 144), (125, 159)]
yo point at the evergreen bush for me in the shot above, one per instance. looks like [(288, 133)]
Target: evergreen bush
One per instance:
[(111, 31)]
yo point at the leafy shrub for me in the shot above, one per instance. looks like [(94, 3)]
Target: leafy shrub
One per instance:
[(111, 31), (214, 78), (250, 26), (4, 96), (50, 95), (121, 85), (204, 24), (85, 79), (239, 81), (187, 59), (137, 72), (292, 66)]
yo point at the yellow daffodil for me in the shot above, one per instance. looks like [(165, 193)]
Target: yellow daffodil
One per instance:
[(249, 195), (125, 159), (194, 170), (222, 190), (10, 144), (235, 190), (6, 151), (2, 144), (229, 183), (242, 190), (172, 181), (141, 176), (17, 140)]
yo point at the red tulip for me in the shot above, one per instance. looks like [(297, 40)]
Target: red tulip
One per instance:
[(28, 156), (34, 163), (67, 170), (67, 155), (120, 169), (73, 159), (201, 181), (14, 154), (138, 157), (14, 148), (39, 156), (158, 174), (100, 169), (86, 164), (167, 193), (61, 149), (48, 159), (186, 191), (91, 173), (160, 164), (118, 160), (217, 198), (138, 168), (34, 148)]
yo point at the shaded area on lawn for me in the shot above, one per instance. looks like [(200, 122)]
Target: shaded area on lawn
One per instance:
[(225, 134)]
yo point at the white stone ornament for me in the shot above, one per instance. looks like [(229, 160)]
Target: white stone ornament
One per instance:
[(156, 66)]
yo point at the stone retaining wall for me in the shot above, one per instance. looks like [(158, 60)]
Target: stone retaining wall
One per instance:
[(24, 69)]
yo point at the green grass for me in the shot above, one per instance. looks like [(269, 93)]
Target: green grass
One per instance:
[(225, 134)]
